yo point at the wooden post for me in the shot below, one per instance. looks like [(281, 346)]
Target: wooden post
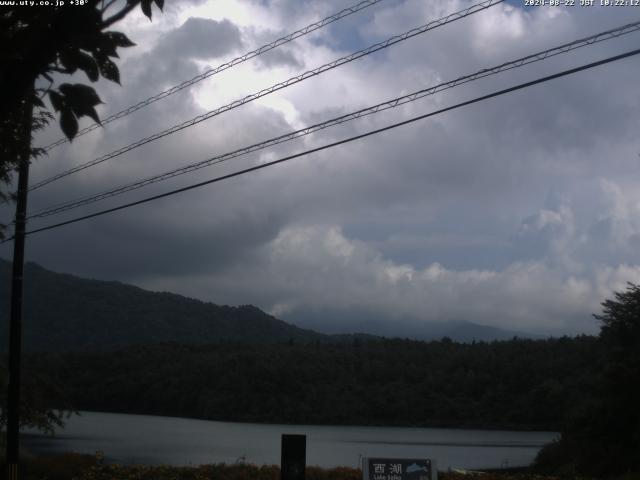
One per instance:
[(294, 457), (15, 327)]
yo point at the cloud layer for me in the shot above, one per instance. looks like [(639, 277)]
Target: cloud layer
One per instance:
[(519, 212)]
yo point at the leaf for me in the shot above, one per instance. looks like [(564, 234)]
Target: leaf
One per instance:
[(88, 65), (79, 94), (68, 123), (119, 39), (160, 4), (81, 99), (105, 47), (91, 112), (109, 48), (68, 60), (57, 100), (109, 70), (146, 8), (104, 44)]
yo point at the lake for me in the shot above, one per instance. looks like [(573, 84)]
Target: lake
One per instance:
[(182, 441)]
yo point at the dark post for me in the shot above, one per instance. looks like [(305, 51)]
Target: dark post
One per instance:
[(294, 457), (15, 329)]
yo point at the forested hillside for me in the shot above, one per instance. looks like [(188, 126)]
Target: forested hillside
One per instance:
[(64, 312), (514, 384)]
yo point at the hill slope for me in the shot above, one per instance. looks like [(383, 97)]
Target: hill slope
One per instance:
[(64, 312)]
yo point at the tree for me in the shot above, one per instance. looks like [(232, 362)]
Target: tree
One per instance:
[(603, 436), (37, 44), (44, 405), (619, 422)]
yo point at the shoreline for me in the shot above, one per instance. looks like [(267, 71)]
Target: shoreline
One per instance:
[(493, 427)]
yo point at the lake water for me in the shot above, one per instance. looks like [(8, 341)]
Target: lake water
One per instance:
[(182, 441)]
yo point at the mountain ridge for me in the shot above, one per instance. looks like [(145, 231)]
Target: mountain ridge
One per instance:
[(67, 312), (332, 322)]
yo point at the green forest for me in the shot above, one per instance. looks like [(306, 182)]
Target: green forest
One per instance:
[(261, 369), (521, 384)]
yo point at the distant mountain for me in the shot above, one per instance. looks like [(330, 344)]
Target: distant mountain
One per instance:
[(65, 312), (333, 322)]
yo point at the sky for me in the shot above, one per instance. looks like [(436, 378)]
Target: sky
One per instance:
[(520, 212)]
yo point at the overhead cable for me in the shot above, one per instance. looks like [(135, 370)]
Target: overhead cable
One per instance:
[(213, 71), (393, 103), (483, 5), (334, 144)]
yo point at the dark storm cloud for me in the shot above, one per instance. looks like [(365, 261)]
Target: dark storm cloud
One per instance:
[(517, 212), (144, 243), (199, 231)]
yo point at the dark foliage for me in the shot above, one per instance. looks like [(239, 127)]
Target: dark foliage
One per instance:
[(84, 467), (38, 393), (38, 43), (263, 369), (603, 436), (63, 312), (60, 467), (515, 384)]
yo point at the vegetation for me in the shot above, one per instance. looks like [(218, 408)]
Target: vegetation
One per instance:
[(523, 384), (84, 467), (35, 411), (36, 46), (602, 434), (63, 312), (264, 371)]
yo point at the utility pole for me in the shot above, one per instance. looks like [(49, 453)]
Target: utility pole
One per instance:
[(15, 329)]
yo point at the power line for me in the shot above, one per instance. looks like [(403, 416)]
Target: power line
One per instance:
[(213, 71), (483, 5), (341, 142), (393, 103)]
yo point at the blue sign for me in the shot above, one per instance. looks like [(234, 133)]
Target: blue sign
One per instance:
[(399, 469)]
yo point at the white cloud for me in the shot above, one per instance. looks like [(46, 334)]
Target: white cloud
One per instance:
[(446, 219), (311, 267)]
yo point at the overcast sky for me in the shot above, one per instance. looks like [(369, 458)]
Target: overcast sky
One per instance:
[(521, 212)]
